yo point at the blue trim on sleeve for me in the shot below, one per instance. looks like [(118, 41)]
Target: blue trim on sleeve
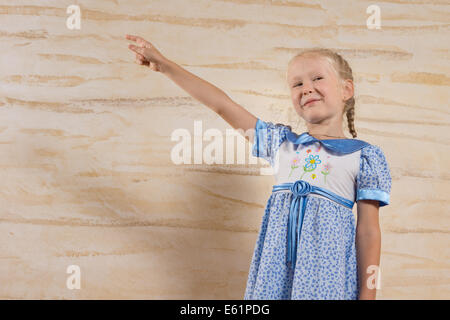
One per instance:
[(373, 194), (259, 138)]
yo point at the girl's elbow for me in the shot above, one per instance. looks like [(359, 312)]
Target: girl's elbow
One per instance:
[(368, 231)]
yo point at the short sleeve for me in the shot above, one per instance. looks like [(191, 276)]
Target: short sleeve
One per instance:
[(268, 138), (373, 181)]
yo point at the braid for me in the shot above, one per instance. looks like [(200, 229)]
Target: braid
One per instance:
[(350, 106), (343, 72)]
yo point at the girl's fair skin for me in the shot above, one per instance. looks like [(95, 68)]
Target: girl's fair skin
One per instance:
[(308, 77)]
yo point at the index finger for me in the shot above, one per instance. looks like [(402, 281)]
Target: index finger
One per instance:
[(130, 37), (138, 39)]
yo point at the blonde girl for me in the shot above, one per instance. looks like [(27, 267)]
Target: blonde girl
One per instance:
[(309, 245)]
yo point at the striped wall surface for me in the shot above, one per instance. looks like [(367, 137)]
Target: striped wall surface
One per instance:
[(86, 174)]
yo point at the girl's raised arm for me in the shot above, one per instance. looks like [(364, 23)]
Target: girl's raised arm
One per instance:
[(208, 94)]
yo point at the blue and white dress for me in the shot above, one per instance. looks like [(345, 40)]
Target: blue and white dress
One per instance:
[(306, 244)]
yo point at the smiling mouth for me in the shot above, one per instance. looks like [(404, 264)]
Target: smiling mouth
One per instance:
[(310, 103)]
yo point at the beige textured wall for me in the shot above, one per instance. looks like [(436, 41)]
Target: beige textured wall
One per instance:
[(86, 176)]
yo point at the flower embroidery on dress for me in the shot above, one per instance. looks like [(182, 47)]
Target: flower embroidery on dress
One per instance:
[(326, 170), (311, 163), (294, 164)]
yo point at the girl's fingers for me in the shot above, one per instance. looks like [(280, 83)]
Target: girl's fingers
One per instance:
[(141, 60), (139, 40), (139, 50), (136, 49), (140, 57), (132, 38)]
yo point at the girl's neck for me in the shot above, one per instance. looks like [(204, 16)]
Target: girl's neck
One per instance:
[(321, 136), (328, 129)]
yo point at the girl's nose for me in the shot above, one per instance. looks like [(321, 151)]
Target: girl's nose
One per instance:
[(307, 87), (307, 90)]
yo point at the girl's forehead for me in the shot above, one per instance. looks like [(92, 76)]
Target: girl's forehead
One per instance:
[(307, 64), (304, 66)]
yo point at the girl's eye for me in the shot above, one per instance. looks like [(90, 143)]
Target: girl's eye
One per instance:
[(301, 83)]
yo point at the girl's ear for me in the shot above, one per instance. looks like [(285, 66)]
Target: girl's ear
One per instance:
[(348, 89)]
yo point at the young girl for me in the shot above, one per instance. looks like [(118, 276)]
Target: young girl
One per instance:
[(308, 246)]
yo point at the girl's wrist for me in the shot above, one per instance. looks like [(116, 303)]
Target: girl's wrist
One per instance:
[(166, 66)]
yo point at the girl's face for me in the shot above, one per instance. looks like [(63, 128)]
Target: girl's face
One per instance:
[(313, 77)]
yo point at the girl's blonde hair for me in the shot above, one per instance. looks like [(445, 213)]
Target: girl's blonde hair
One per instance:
[(343, 72)]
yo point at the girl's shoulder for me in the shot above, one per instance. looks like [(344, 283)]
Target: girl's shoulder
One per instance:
[(372, 149)]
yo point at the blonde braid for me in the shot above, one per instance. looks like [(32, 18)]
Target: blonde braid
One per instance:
[(343, 72), (350, 107)]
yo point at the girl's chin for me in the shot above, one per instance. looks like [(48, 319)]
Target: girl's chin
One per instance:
[(313, 117)]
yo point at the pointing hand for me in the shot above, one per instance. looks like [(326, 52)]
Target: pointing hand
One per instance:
[(146, 53)]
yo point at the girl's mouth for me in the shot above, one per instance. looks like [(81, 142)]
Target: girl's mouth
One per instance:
[(311, 103)]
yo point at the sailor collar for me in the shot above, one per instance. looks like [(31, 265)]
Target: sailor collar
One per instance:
[(337, 145)]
